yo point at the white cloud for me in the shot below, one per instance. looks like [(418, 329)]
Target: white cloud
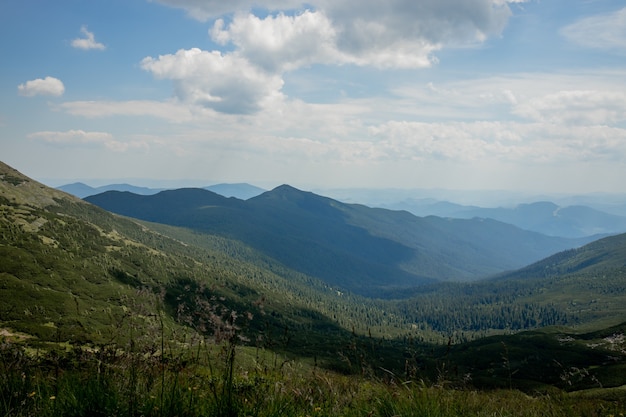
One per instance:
[(88, 42), (280, 43), (372, 25), (283, 43), (605, 31), (48, 86), (402, 34), (398, 34), (226, 83), (81, 137)]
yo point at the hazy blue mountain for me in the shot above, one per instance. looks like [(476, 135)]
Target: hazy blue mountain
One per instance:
[(550, 219), (573, 221), (242, 191), (611, 203), (352, 246), (129, 188), (79, 189), (82, 190), (543, 217)]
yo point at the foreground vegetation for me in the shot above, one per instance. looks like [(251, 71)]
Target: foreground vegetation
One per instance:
[(214, 361), (221, 379)]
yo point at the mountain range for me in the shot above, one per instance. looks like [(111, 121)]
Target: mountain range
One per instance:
[(354, 247), (242, 191), (543, 216)]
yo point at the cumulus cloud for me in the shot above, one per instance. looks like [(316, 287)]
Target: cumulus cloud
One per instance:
[(284, 43), (399, 34), (372, 25), (48, 86), (605, 31), (280, 43), (396, 34), (88, 42), (81, 137), (225, 83)]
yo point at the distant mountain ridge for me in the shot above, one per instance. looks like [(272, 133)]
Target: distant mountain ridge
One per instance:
[(351, 246), (82, 190), (543, 216), (242, 191)]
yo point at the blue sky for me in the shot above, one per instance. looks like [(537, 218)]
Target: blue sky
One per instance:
[(459, 94)]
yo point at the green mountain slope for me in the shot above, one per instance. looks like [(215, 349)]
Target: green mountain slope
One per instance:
[(72, 271), (354, 247), (583, 288), (607, 254)]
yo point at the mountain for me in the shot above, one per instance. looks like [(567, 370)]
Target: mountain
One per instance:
[(596, 258), (553, 220), (242, 191), (81, 190), (582, 287), (543, 217), (72, 271), (351, 246)]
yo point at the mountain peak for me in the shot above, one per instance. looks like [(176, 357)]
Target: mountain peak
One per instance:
[(282, 192), (286, 188)]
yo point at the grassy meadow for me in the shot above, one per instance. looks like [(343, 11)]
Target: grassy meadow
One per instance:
[(201, 377)]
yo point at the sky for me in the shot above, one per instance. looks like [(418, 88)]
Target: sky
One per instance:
[(525, 95)]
